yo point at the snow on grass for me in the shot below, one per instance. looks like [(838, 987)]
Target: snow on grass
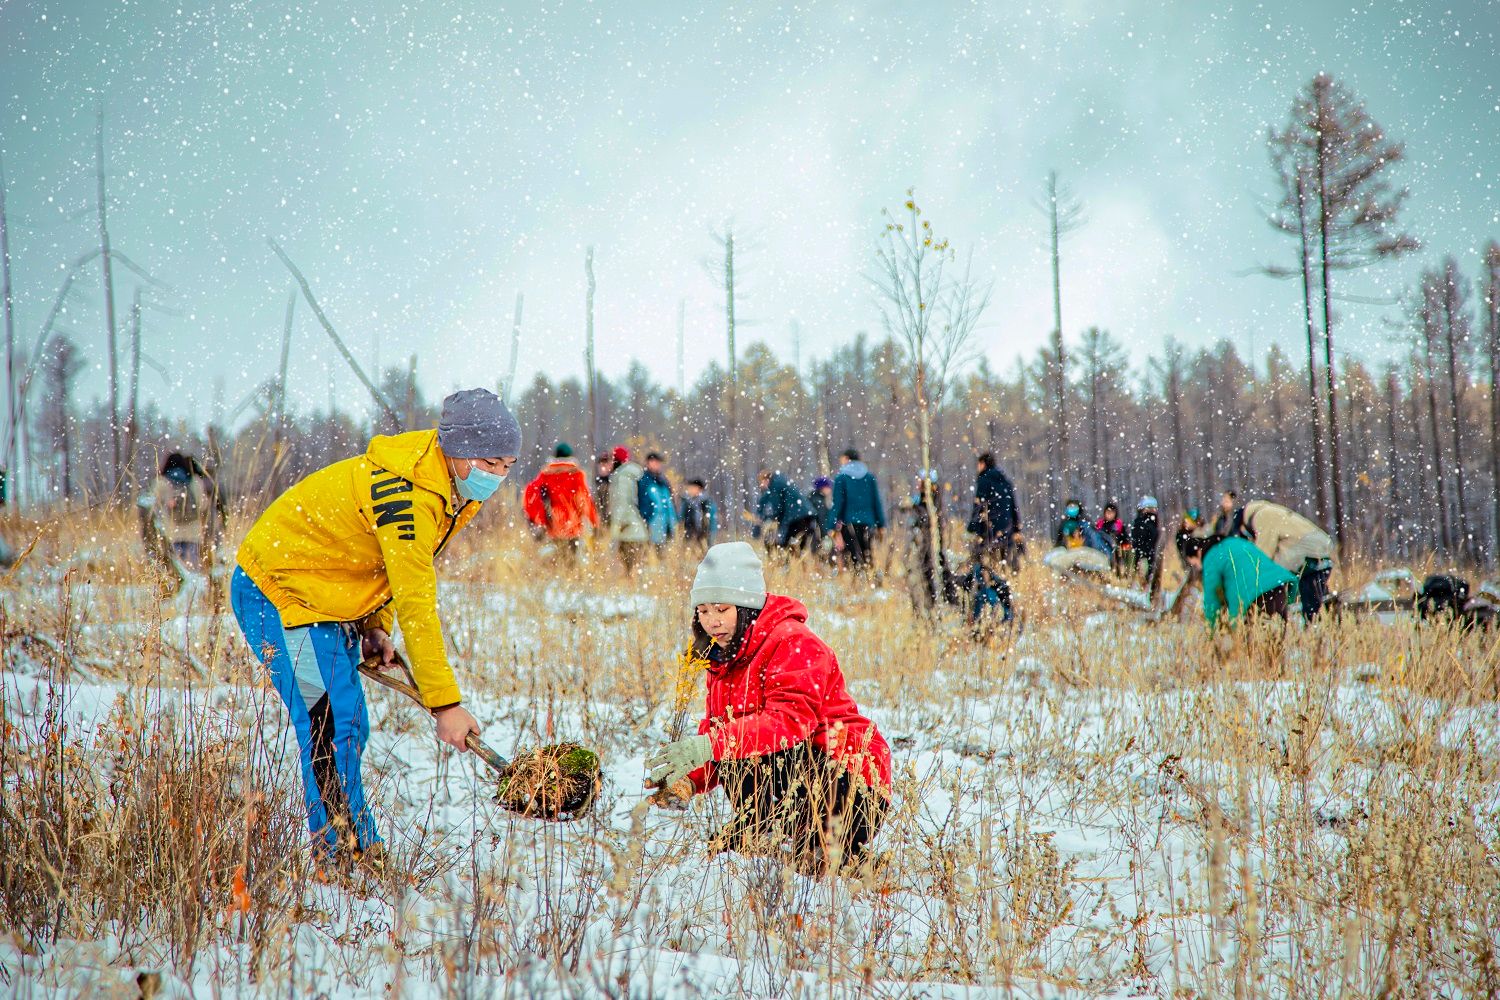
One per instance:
[(1079, 813)]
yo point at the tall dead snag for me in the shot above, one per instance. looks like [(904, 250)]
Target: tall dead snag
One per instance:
[(588, 351), (681, 365), (722, 271), (7, 302), (1456, 330), (1064, 214), (106, 259), (932, 314), (60, 367), (132, 407), (1342, 156), (338, 342), (278, 428), (1429, 325), (515, 352), (1492, 341)]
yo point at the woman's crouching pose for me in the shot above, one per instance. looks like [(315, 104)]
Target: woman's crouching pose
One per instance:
[(809, 776)]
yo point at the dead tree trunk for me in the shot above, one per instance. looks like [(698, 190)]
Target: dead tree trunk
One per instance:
[(1060, 357), (1315, 420), (588, 351), (681, 365), (106, 261), (278, 429), (132, 410), (411, 394), (736, 463), (515, 351), (7, 460), (1451, 304), (1429, 320), (338, 342), (1335, 470), (1492, 331), (1393, 462)]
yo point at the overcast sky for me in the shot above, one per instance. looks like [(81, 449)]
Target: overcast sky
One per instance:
[(425, 161)]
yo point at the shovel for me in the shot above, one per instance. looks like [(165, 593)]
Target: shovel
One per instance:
[(527, 787), (371, 669)]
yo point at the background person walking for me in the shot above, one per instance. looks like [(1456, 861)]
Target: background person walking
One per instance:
[(857, 511)]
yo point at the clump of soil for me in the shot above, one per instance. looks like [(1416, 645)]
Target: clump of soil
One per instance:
[(551, 782)]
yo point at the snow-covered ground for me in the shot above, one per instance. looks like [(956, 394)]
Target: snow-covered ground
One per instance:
[(1051, 835)]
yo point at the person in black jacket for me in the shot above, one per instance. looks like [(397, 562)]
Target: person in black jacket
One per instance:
[(995, 521), (1145, 534)]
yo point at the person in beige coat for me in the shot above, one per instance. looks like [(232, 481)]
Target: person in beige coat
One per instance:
[(626, 524), (1295, 544)]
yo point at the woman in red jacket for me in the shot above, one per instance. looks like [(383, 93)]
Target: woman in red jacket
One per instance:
[(808, 775)]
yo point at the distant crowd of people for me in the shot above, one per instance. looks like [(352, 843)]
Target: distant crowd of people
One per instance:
[(1249, 557), (839, 517)]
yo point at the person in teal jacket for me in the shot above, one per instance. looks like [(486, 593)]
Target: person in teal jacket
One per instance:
[(1238, 578)]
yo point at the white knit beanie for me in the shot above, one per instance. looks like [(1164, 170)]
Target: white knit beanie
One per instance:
[(730, 574)]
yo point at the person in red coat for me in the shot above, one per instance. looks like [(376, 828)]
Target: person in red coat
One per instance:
[(558, 501), (806, 772)]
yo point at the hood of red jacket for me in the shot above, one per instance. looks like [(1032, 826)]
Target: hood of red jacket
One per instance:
[(561, 467), (777, 611)]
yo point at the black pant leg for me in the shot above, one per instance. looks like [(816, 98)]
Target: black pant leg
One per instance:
[(325, 771), (1312, 587), (802, 805)]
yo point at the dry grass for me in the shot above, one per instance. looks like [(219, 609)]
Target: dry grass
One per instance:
[(1104, 806)]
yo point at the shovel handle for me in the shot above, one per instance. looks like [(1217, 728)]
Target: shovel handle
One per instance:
[(371, 669)]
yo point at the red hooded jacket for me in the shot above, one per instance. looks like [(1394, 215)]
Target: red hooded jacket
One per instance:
[(561, 487), (784, 686)]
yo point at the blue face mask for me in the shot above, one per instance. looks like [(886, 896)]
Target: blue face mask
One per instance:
[(478, 485)]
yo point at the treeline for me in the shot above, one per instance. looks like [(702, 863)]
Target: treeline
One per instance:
[(1183, 425)]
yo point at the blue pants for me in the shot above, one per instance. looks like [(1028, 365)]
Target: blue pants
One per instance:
[(315, 671)]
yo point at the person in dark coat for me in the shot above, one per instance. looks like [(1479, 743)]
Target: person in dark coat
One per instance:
[(857, 511), (1145, 534), (782, 502), (699, 514), (821, 499), (919, 560), (995, 521), (604, 467)]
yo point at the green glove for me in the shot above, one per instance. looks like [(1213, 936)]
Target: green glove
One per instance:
[(675, 761)]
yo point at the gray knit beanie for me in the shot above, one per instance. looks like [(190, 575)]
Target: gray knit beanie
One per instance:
[(730, 574), (476, 424)]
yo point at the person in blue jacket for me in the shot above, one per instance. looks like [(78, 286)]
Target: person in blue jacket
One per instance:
[(654, 497), (1239, 580), (1075, 530), (782, 502), (857, 511)]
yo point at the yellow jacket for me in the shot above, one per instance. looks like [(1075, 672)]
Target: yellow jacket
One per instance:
[(355, 542)]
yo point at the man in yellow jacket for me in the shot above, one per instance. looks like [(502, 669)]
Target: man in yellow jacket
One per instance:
[(335, 562)]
